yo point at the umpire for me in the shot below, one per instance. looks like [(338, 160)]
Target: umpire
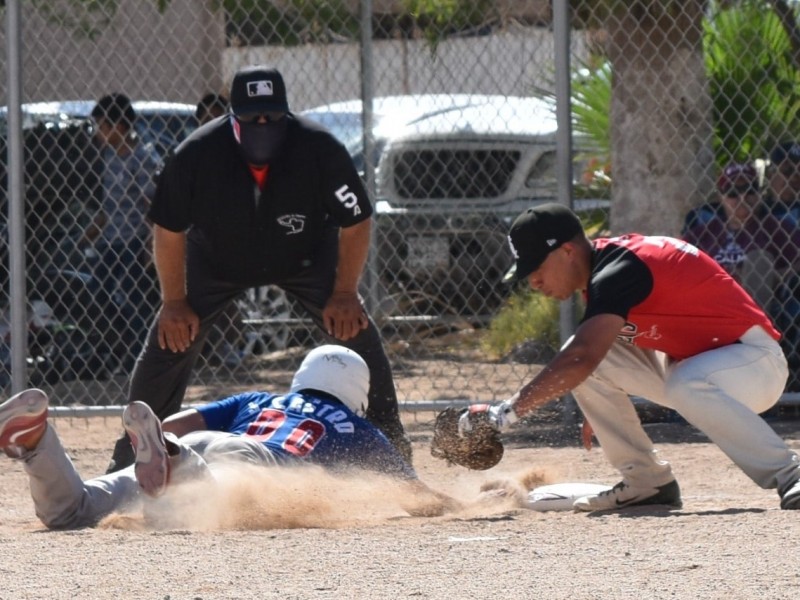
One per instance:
[(262, 197)]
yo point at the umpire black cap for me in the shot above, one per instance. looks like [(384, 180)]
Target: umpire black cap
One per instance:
[(537, 232), (258, 89)]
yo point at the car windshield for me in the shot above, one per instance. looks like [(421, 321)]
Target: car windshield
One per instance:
[(431, 114), (346, 127)]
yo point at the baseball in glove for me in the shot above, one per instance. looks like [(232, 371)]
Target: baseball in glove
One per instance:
[(478, 449)]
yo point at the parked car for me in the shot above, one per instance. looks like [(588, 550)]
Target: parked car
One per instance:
[(390, 115), (162, 124), (61, 193), (452, 173), (61, 173)]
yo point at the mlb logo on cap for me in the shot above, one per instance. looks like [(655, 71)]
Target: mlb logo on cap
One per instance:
[(259, 88)]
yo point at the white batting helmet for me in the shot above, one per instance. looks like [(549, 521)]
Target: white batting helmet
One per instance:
[(338, 371)]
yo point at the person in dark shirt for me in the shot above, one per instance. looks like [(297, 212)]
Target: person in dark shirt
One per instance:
[(781, 193), (783, 181), (755, 247), (116, 243), (264, 197)]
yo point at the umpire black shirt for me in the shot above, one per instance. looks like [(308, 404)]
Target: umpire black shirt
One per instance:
[(257, 237)]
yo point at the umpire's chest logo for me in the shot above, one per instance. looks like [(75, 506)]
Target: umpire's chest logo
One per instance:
[(294, 223)]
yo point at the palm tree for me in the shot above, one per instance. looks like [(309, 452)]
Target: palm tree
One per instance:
[(754, 83), (749, 56)]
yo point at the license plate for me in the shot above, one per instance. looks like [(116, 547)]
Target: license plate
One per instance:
[(428, 253)]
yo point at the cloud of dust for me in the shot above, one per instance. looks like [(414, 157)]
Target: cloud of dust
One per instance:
[(256, 497), (248, 497)]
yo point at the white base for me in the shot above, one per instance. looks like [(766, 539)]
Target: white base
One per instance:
[(560, 496)]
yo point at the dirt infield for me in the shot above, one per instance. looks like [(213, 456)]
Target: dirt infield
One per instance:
[(730, 540)]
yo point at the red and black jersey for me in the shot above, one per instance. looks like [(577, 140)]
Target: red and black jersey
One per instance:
[(257, 236), (673, 297)]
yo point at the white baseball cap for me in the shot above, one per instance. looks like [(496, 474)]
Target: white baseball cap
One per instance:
[(337, 371)]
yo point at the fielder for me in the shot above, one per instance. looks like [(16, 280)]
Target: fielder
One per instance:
[(665, 322), (315, 423)]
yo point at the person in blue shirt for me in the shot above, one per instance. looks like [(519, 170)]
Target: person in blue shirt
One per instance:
[(783, 182), (781, 193), (116, 243), (317, 422)]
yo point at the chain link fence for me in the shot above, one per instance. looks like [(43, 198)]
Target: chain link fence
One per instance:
[(463, 137)]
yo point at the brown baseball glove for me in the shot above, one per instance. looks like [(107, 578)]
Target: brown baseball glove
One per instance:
[(478, 449)]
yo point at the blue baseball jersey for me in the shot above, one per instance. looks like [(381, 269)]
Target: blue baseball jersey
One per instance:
[(307, 427)]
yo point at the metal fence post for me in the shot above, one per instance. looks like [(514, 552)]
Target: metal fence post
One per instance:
[(16, 205), (367, 93), (561, 34)]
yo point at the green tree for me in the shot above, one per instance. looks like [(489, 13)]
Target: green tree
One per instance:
[(751, 64), (438, 18), (753, 79)]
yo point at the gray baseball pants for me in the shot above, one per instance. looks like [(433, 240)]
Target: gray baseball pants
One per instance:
[(62, 500)]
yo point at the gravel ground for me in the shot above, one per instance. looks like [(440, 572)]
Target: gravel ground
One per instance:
[(311, 537)]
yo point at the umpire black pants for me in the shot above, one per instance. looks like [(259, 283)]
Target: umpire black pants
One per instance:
[(160, 377)]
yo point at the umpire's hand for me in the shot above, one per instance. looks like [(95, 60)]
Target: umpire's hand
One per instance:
[(344, 316), (178, 325)]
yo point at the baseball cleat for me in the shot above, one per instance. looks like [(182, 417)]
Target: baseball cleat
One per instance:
[(790, 499), (23, 418), (147, 438), (623, 495)]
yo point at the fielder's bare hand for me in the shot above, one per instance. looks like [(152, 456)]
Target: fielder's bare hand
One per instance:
[(344, 316), (178, 325)]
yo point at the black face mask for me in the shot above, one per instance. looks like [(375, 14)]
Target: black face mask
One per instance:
[(261, 143)]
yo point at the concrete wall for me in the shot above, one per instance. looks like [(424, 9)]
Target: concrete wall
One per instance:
[(181, 54), (510, 63), (174, 56)]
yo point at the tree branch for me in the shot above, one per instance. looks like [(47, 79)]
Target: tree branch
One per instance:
[(786, 16)]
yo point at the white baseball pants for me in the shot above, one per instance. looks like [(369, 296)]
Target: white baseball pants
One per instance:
[(720, 392)]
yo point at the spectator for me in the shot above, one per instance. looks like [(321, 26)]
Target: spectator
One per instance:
[(118, 235), (782, 193), (783, 198), (210, 107), (264, 197), (758, 249), (783, 181), (701, 215)]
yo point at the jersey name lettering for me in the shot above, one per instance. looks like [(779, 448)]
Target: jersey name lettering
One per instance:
[(331, 415)]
